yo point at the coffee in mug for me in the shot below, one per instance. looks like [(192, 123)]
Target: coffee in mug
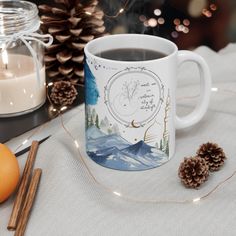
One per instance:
[(131, 54)]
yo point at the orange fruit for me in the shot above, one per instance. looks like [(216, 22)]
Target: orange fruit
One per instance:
[(9, 172)]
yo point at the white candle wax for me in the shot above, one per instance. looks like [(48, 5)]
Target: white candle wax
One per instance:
[(20, 89)]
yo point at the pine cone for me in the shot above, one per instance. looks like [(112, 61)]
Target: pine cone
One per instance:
[(213, 154), (63, 93), (193, 171), (72, 23)]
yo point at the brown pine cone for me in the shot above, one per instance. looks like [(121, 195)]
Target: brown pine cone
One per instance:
[(63, 93), (193, 171), (213, 154), (72, 23)]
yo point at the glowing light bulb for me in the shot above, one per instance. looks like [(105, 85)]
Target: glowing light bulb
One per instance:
[(196, 199), (117, 193), (121, 10), (76, 143), (214, 89), (63, 108), (24, 142)]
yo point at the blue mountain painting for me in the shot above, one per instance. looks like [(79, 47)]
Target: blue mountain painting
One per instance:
[(91, 90), (114, 152)]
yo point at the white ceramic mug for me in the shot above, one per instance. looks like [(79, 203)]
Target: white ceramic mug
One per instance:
[(131, 105)]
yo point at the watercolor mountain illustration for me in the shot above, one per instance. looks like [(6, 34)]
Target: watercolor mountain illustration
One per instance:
[(91, 89), (112, 151)]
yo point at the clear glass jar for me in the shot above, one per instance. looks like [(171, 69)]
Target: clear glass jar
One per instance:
[(22, 76)]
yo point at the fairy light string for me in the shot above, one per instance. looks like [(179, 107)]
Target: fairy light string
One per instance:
[(120, 11), (132, 199), (77, 146), (139, 200), (30, 136), (40, 128), (59, 114)]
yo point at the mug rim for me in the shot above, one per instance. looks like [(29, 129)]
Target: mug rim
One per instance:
[(98, 40)]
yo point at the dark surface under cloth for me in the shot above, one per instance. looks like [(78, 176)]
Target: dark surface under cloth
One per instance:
[(11, 127)]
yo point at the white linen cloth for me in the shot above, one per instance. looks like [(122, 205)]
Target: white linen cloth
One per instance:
[(69, 203)]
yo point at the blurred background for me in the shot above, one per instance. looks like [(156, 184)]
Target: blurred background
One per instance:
[(188, 23)]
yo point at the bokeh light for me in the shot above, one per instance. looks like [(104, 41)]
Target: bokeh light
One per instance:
[(161, 20), (180, 27), (145, 23), (175, 34), (186, 22), (206, 13), (157, 12), (176, 21), (152, 22), (195, 7), (142, 18), (213, 7), (186, 30)]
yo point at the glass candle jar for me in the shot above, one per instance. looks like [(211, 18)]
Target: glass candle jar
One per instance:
[(22, 70)]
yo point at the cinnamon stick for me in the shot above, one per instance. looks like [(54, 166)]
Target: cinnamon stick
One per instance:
[(34, 183), (18, 204)]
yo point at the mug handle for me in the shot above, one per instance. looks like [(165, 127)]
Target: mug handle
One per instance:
[(205, 90)]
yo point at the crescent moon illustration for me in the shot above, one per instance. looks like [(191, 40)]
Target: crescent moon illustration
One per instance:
[(134, 125)]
